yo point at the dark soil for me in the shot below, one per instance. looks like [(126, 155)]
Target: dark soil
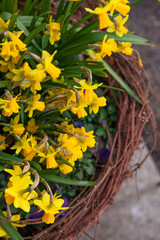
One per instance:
[(145, 21)]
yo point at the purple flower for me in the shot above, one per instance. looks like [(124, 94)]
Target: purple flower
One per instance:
[(78, 124), (103, 121), (36, 213), (65, 204), (104, 154)]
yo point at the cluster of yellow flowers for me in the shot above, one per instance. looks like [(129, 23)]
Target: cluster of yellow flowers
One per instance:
[(24, 100), (30, 141), (104, 12)]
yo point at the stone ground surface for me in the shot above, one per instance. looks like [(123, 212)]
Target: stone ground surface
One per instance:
[(130, 218), (133, 216), (145, 21)]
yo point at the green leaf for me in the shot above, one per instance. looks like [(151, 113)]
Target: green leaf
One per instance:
[(22, 113), (12, 21), (68, 181), (28, 8), (121, 82), (27, 20), (22, 27), (79, 174), (50, 84), (33, 34), (89, 168), (48, 171), (136, 2), (9, 157), (100, 132), (114, 88), (5, 7), (36, 165), (45, 41), (102, 114), (9, 229), (88, 16), (60, 9), (4, 83)]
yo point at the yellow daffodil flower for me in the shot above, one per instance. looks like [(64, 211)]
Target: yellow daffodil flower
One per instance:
[(50, 208), (68, 151), (22, 143), (32, 127), (19, 190), (104, 20), (88, 89), (30, 151), (16, 171), (47, 65), (118, 5), (35, 104), (83, 139), (107, 47), (118, 26), (3, 25), (14, 127), (49, 156), (125, 47), (12, 48), (96, 103), (53, 28), (9, 106), (5, 66), (93, 56)]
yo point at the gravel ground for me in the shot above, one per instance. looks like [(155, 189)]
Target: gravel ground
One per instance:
[(145, 21)]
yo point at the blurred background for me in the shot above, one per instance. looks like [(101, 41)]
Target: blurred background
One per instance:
[(145, 21)]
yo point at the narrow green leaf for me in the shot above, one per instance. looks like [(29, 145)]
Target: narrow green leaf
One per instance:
[(114, 88), (22, 113), (13, 21), (22, 27), (60, 9), (27, 20), (29, 7), (9, 229), (50, 84), (36, 165), (26, 7), (48, 171), (68, 181), (136, 2), (121, 82), (88, 16), (38, 29), (9, 157)]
